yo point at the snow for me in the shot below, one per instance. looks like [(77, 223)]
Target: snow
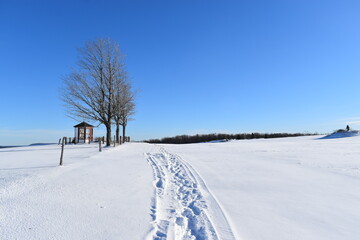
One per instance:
[(194, 214), (288, 188), (342, 134), (93, 196)]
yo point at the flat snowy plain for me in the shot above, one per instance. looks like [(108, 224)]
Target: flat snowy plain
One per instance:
[(277, 189)]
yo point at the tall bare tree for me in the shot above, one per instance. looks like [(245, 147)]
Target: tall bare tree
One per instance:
[(124, 107), (89, 90)]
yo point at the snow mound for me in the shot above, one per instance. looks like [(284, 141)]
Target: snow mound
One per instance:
[(342, 134)]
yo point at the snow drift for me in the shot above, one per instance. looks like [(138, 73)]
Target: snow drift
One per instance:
[(342, 134)]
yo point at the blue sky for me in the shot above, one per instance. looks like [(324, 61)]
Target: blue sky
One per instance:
[(198, 66)]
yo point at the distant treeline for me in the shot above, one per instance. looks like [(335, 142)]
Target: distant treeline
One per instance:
[(213, 137)]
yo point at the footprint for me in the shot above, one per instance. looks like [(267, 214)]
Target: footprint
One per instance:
[(179, 221)]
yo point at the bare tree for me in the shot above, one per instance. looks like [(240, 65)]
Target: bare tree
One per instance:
[(89, 91), (124, 107)]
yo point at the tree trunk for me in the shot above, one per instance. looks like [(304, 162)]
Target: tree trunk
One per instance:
[(124, 129), (118, 133), (108, 135)]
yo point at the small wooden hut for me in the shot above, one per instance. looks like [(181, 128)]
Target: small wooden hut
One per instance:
[(84, 133)]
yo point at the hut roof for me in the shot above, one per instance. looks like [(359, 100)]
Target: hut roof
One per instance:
[(83, 124)]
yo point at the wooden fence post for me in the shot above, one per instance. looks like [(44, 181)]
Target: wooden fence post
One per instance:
[(99, 145), (62, 151)]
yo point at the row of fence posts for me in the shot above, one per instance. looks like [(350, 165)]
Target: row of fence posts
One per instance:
[(69, 140), (101, 140)]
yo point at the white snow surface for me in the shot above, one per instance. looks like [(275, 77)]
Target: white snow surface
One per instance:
[(93, 196), (277, 189)]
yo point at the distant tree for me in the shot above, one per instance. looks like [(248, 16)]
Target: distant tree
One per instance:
[(182, 139), (89, 90)]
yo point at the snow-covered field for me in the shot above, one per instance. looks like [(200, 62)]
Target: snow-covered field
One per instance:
[(289, 188)]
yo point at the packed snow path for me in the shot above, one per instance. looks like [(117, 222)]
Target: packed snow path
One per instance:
[(182, 207)]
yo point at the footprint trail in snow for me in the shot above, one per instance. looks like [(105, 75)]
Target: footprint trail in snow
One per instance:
[(179, 209)]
